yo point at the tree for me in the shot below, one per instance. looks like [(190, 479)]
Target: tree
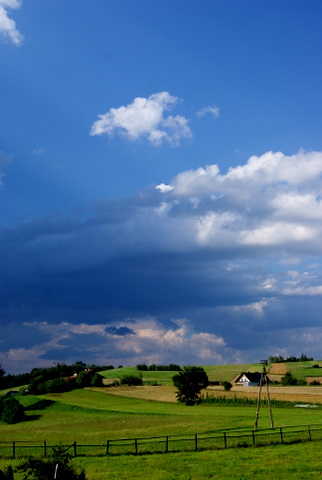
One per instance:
[(131, 380), (189, 382)]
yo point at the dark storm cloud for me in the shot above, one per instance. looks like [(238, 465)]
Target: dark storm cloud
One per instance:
[(236, 255), (119, 331), (17, 335)]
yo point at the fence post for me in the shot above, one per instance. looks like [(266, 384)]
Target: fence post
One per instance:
[(310, 437), (45, 449), (166, 444), (107, 446), (196, 442), (281, 433), (136, 446), (75, 452), (13, 449), (253, 434), (225, 440)]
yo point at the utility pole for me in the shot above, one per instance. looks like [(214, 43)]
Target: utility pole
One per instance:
[(263, 379)]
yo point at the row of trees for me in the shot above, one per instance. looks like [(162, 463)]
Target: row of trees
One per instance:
[(280, 359), (172, 367), (60, 370), (40, 386)]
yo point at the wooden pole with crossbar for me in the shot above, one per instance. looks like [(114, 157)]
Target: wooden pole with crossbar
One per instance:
[(263, 379)]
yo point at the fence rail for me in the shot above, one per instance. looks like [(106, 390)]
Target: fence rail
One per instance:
[(171, 443)]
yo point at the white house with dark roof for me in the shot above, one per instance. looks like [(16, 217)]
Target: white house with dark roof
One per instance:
[(249, 379)]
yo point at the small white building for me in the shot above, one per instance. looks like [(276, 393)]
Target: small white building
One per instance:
[(249, 379)]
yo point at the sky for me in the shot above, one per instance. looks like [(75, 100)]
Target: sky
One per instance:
[(160, 181)]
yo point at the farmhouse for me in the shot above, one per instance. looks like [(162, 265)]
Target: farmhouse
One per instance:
[(248, 379)]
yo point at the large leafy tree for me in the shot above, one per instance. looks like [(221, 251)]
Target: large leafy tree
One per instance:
[(189, 382)]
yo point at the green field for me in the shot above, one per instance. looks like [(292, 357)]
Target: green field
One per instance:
[(301, 370), (92, 417), (218, 373), (160, 377)]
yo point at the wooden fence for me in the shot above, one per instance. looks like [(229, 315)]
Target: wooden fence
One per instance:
[(171, 443)]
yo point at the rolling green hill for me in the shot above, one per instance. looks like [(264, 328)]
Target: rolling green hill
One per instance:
[(220, 373)]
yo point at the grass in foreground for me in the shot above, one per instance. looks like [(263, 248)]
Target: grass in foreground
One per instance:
[(281, 462)]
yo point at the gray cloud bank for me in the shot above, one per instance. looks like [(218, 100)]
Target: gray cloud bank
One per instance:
[(210, 268)]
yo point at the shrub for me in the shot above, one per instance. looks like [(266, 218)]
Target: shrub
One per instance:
[(227, 385), (11, 410), (315, 382), (131, 380), (57, 465), (7, 474), (288, 379), (97, 381), (301, 382)]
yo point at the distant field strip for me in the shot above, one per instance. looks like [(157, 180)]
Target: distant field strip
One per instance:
[(171, 443), (167, 393), (277, 369)]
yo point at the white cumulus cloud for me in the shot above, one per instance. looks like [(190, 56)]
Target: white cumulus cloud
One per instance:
[(209, 110), (145, 117), (311, 291), (8, 29), (269, 169)]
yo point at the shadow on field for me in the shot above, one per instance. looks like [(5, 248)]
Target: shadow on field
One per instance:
[(31, 418), (40, 405)]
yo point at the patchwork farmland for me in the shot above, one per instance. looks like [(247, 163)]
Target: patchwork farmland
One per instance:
[(96, 415)]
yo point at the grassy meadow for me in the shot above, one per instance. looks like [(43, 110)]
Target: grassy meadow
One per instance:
[(302, 370), (95, 415), (218, 373)]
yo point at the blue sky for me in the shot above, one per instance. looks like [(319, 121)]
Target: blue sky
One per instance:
[(160, 181)]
